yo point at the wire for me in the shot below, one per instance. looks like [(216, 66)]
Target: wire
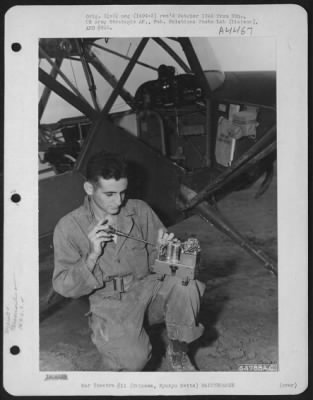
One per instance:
[(71, 158), (130, 45), (74, 74)]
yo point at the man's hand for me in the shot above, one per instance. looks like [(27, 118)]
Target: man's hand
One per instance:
[(164, 237), (98, 236)]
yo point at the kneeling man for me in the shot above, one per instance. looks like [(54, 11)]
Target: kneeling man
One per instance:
[(114, 271)]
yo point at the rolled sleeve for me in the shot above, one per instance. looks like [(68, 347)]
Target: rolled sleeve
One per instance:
[(71, 277)]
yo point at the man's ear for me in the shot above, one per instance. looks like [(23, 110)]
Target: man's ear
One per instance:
[(88, 187)]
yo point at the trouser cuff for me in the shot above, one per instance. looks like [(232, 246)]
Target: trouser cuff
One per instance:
[(186, 334)]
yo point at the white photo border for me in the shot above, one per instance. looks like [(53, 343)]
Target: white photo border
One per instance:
[(26, 25)]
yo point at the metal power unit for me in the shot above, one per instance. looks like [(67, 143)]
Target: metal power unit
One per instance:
[(180, 259)]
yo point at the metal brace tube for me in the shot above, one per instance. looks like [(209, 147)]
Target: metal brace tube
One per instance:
[(212, 215)]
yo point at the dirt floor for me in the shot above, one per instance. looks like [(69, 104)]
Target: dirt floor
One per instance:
[(239, 309)]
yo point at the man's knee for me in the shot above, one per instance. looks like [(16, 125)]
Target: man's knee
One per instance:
[(134, 355), (125, 353), (121, 358), (192, 290)]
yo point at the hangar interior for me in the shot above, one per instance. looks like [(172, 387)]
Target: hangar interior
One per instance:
[(201, 145)]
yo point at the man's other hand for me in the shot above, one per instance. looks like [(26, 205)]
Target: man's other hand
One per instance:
[(164, 236)]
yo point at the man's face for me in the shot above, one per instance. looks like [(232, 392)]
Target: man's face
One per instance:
[(109, 194)]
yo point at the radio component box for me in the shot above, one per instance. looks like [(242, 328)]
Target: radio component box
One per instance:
[(178, 259)]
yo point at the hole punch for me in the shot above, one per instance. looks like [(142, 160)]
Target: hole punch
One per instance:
[(16, 47), (15, 350), (16, 198)]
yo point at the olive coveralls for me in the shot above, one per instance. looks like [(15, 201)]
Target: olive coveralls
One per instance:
[(116, 319)]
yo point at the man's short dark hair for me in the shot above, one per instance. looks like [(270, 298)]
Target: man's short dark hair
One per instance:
[(107, 166)]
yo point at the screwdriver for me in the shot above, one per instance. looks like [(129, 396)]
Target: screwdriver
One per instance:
[(119, 233)]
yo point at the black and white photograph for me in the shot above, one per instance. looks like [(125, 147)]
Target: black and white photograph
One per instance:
[(156, 193), (185, 131)]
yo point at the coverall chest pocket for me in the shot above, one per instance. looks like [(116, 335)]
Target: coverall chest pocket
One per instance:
[(133, 244)]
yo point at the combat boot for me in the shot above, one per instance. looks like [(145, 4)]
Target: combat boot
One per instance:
[(178, 360)]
